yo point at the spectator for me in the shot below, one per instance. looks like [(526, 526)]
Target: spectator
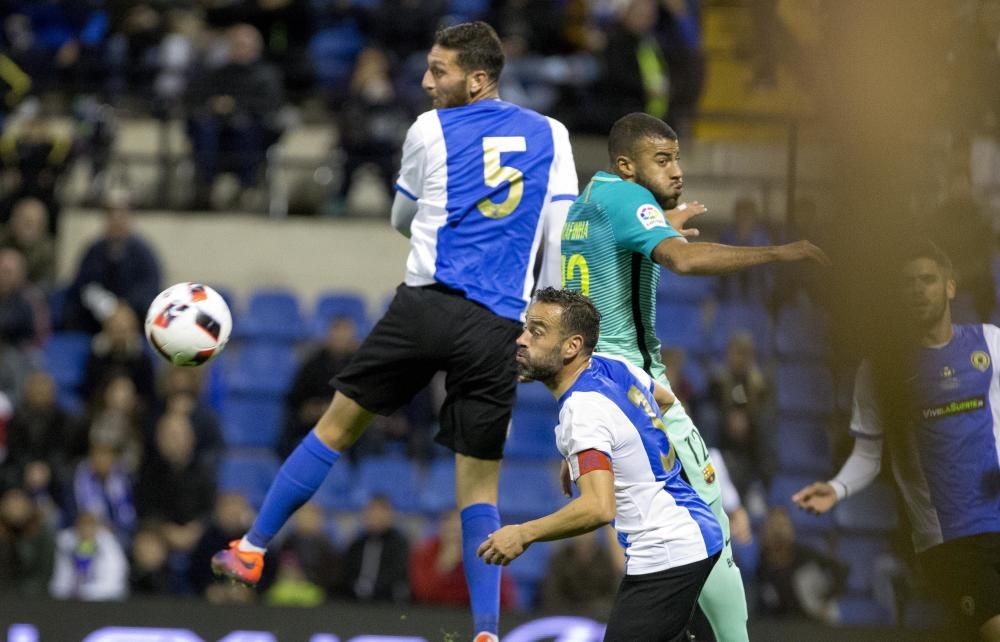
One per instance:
[(181, 390), (137, 30), (794, 580), (102, 489), (313, 550), (176, 490), (674, 362), (373, 123), (116, 419), (118, 351), (311, 392), (234, 113), (757, 283), (149, 572), (118, 269), (90, 563), (27, 546), (37, 440), (582, 577), (177, 55), (406, 27), (680, 22), (231, 518), (27, 232), (437, 573), (291, 586), (20, 319), (375, 562)]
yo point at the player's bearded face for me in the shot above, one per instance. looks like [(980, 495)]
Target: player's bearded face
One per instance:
[(445, 81), (927, 291), (539, 348), (658, 169)]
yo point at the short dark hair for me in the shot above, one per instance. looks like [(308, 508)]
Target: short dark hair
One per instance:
[(477, 44), (579, 316), (927, 249), (632, 128)]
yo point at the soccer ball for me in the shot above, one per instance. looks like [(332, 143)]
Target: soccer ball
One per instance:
[(188, 324)]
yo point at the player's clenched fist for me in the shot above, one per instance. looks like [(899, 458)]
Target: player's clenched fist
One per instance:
[(817, 498), (503, 546)]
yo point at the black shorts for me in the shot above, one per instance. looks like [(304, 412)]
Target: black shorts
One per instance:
[(657, 607), (965, 573), (429, 329)]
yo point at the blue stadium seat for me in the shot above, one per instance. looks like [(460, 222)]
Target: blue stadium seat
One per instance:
[(271, 315), (681, 325), (674, 288), (528, 575), (64, 356), (783, 486), (738, 317), (260, 369), (468, 10), (57, 304), (805, 447), (859, 611), (333, 51), (872, 510), (437, 493), (802, 333), (529, 490), (860, 553), (531, 434), (333, 305), (248, 473), (394, 477), (341, 490), (805, 390), (251, 421)]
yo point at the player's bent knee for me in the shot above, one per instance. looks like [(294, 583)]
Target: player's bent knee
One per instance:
[(344, 421), (990, 631)]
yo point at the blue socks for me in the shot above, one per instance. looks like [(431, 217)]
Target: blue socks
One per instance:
[(478, 521), (297, 481)]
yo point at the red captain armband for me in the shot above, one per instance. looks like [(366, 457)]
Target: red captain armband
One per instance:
[(591, 460)]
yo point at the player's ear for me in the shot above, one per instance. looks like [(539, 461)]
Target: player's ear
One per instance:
[(624, 166), (572, 346), (949, 288), (477, 82)]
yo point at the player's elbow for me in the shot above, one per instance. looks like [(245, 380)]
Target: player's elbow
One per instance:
[(677, 259), (602, 510)]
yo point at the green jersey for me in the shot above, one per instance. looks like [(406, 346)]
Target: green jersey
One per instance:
[(607, 245)]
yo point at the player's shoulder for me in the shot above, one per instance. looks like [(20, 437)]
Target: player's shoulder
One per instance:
[(620, 194), (425, 125)]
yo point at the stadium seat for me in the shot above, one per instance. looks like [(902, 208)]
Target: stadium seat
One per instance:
[(528, 575), (437, 493), (394, 477), (251, 421), (872, 510), (468, 10), (333, 51), (674, 288), (248, 473), (802, 334), (738, 317), (332, 305), (64, 356), (681, 325), (528, 490), (804, 390), (531, 434), (57, 304), (260, 369), (859, 611), (805, 447), (859, 553), (271, 315), (783, 486), (340, 490)]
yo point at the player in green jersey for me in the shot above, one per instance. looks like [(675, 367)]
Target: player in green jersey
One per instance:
[(622, 228)]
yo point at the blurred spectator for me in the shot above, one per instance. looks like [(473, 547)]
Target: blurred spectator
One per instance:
[(753, 285), (231, 518), (115, 419), (581, 577), (137, 29), (177, 55), (794, 580), (90, 564), (20, 318), (102, 488), (437, 573), (176, 490), (118, 269), (373, 124), (680, 28), (291, 586), (28, 233), (118, 351), (406, 27), (14, 84), (311, 392), (37, 440), (375, 562), (181, 391), (27, 546), (313, 550), (674, 361), (234, 113), (792, 283), (34, 156), (149, 572), (534, 22)]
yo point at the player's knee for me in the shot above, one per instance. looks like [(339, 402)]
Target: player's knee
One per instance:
[(343, 423)]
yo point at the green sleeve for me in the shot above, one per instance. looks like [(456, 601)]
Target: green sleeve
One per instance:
[(636, 219)]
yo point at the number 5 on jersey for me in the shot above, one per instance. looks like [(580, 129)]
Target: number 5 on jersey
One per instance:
[(495, 174)]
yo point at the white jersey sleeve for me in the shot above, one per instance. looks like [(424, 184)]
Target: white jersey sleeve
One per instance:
[(563, 189), (587, 425), (991, 334), (413, 164), (865, 420)]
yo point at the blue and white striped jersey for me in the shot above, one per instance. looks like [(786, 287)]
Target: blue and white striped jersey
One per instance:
[(661, 521), (492, 182)]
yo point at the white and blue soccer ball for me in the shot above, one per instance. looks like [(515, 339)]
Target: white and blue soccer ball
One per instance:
[(188, 324)]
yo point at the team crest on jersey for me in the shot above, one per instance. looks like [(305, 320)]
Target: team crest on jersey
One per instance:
[(650, 216), (980, 360), (709, 474)]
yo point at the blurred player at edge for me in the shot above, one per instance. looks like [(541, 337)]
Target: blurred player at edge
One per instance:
[(615, 239), (612, 438), (946, 462), (483, 189)]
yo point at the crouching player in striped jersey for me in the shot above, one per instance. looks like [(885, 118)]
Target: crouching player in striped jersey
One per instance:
[(613, 438)]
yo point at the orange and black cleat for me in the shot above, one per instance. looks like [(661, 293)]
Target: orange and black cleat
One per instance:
[(239, 566)]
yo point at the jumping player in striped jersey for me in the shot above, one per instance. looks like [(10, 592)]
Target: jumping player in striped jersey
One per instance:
[(615, 240), (484, 187), (946, 460), (612, 437)]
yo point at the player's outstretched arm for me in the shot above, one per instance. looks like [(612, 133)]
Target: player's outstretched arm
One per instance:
[(817, 498), (594, 508), (679, 256)]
